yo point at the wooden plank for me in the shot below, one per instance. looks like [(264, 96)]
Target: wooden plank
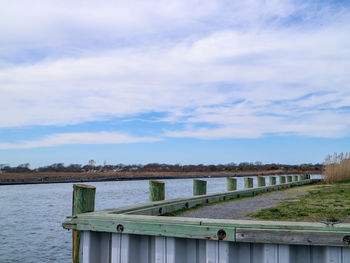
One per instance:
[(278, 232), (324, 238)]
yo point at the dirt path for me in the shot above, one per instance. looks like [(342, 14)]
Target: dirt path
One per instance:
[(237, 209)]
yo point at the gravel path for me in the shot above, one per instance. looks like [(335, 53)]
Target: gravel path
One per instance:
[(237, 209)]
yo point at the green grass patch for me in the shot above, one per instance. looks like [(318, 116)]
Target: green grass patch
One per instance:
[(322, 203)]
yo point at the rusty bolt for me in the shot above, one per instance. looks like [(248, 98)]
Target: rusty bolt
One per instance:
[(221, 234), (346, 240), (120, 228)]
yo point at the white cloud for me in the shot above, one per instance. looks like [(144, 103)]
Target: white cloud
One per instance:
[(194, 77), (78, 138)]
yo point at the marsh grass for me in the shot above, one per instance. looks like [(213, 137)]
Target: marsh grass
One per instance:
[(337, 168)]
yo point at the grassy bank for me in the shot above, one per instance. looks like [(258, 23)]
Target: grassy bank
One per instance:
[(323, 202)]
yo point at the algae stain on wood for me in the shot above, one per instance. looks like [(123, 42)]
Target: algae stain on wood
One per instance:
[(156, 190), (199, 187)]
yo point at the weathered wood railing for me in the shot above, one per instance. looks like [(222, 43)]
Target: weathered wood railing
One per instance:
[(139, 234)]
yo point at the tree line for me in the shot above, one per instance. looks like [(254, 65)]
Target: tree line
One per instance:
[(158, 167)]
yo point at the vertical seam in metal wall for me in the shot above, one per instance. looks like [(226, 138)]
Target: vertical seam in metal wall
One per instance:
[(217, 251), (342, 255), (120, 248), (197, 250), (165, 249), (251, 252), (110, 247), (149, 249)]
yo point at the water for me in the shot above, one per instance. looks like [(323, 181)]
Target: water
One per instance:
[(31, 215)]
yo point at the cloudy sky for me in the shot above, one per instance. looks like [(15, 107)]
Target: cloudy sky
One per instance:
[(183, 81)]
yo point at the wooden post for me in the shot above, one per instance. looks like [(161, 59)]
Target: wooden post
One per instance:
[(272, 180), (199, 187), (261, 181), (83, 202), (156, 190), (231, 184), (248, 182), (282, 179), (289, 178)]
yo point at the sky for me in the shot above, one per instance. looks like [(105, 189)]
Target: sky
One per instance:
[(183, 81)]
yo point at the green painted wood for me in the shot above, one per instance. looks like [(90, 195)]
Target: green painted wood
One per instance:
[(83, 202), (199, 187), (231, 184), (248, 182), (295, 178), (301, 177), (296, 237), (261, 181), (83, 198), (81, 222), (156, 190), (282, 179), (272, 180), (200, 228), (289, 178)]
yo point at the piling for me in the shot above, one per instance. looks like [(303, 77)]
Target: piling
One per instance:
[(282, 179), (156, 191), (199, 187), (83, 202), (289, 178), (261, 181), (272, 180), (248, 182), (231, 184)]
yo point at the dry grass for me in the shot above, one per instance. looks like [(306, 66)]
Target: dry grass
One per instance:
[(337, 167)]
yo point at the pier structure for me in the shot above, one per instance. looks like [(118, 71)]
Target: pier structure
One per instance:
[(140, 233)]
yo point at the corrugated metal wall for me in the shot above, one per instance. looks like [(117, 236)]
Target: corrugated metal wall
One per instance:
[(99, 247)]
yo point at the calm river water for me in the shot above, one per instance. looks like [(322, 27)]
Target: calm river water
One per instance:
[(31, 215)]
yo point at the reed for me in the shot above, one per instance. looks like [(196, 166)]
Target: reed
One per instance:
[(337, 167)]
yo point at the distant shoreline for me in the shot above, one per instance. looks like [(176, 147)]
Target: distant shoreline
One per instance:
[(57, 177)]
